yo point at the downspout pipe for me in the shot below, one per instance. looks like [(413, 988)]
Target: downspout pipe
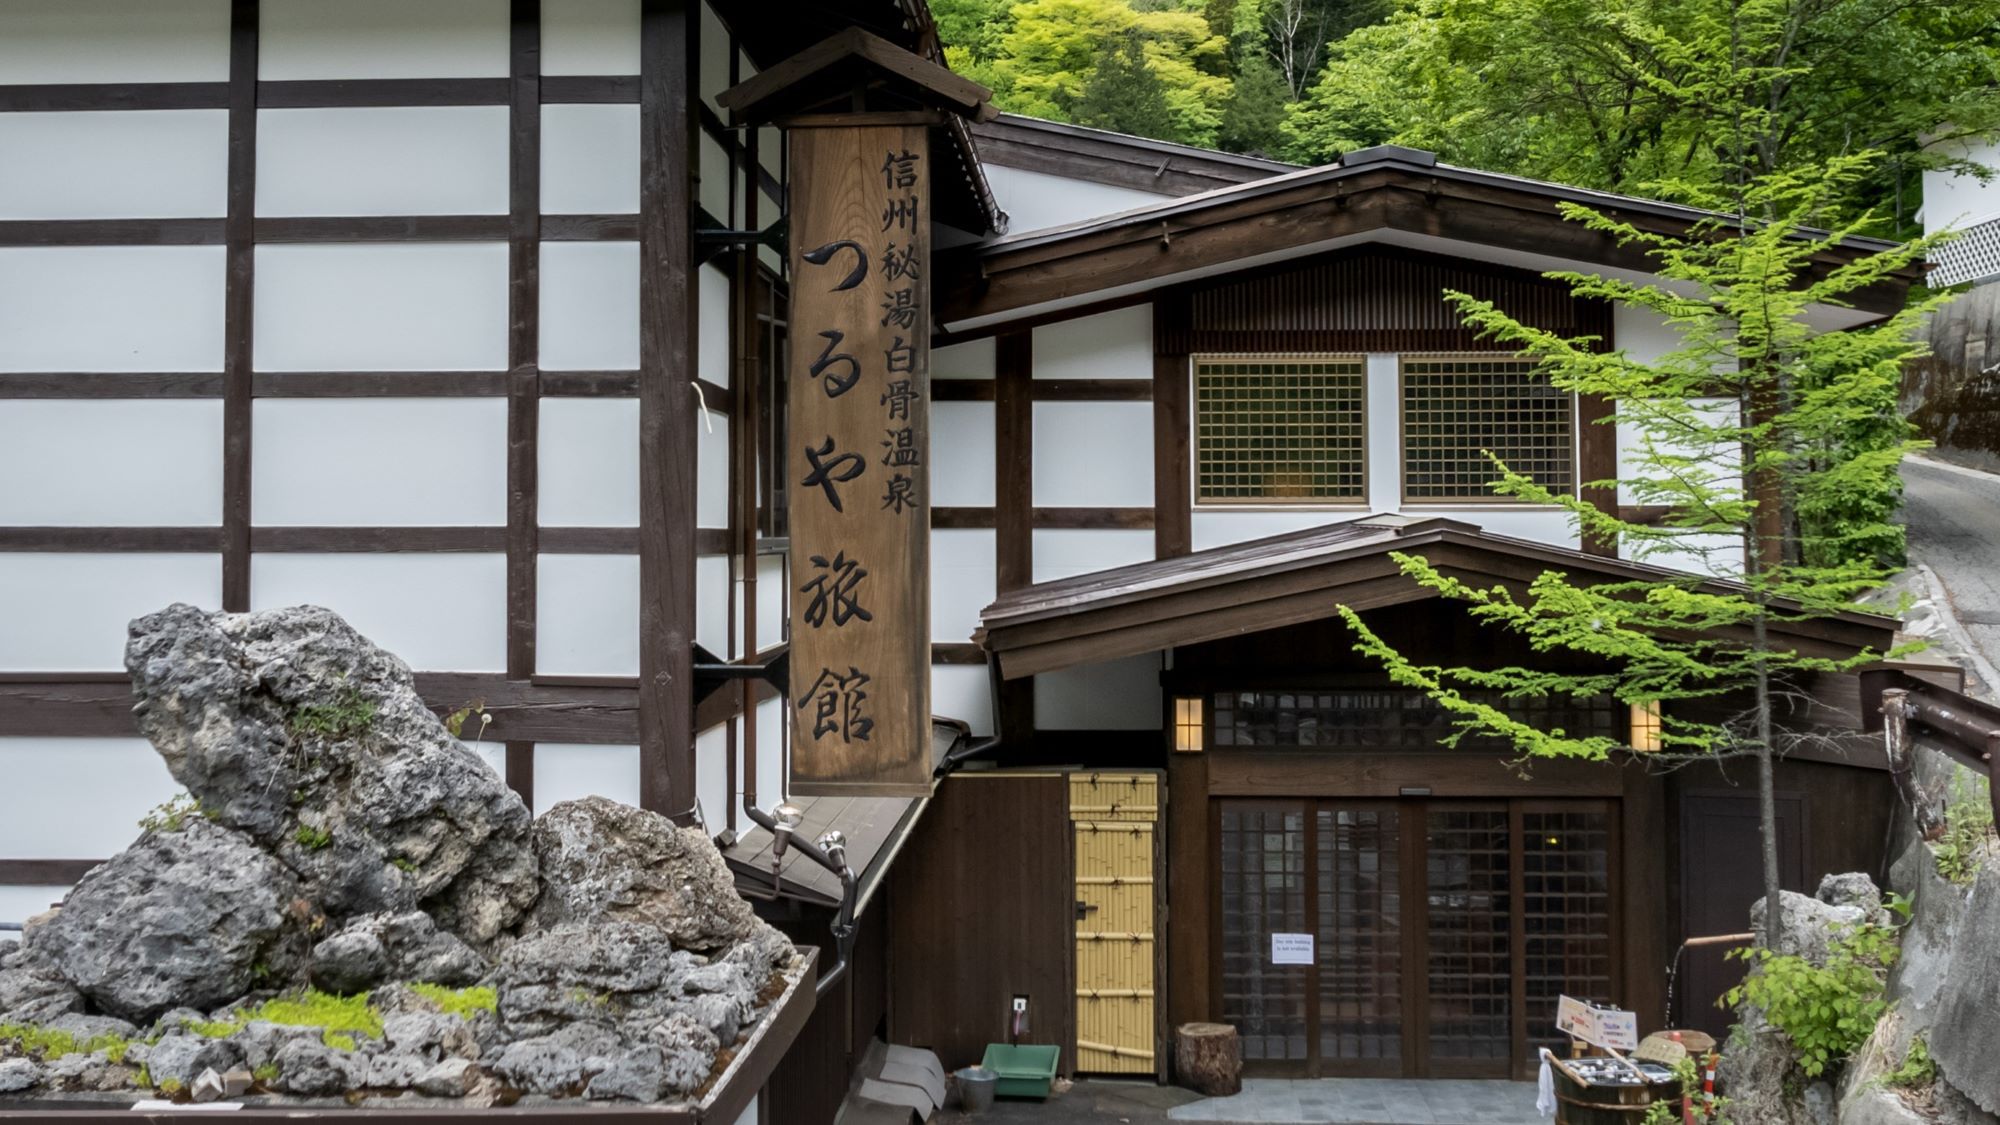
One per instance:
[(978, 746), (830, 852)]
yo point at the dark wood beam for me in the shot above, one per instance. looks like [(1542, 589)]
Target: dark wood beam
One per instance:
[(239, 294), (524, 251)]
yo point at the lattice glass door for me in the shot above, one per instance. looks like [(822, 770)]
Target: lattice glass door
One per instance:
[(1263, 888), (1360, 947), (1468, 912)]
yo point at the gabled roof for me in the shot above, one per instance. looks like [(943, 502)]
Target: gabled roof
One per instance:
[(1377, 194), (1117, 159), (1299, 577)]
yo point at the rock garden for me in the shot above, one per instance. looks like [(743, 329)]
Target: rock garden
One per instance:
[(349, 906)]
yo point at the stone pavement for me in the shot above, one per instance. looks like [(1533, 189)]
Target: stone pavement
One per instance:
[(1329, 1101)]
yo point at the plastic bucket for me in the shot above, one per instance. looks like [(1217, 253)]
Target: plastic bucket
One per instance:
[(975, 1088)]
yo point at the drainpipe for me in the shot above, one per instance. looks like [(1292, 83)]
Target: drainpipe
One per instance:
[(830, 852)]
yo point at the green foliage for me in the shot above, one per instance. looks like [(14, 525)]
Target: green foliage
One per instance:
[(1254, 119), (1667, 1111), (312, 838), (454, 723), (404, 864), (462, 1002), (1123, 94), (49, 1044), (342, 1017), (1917, 1070), (266, 1073), (348, 715), (1968, 822), (1826, 1011), (173, 814), (170, 1086), (144, 1077)]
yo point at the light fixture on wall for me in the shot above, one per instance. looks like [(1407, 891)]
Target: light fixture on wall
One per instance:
[(1646, 726), (1187, 724)]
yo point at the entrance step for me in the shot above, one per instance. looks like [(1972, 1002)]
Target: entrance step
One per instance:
[(1370, 1101)]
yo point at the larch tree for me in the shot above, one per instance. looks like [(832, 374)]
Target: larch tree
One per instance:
[(1754, 411)]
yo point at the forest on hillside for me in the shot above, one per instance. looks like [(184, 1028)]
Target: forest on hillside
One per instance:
[(1676, 99)]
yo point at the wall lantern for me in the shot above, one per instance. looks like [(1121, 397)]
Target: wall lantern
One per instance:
[(1187, 724), (1646, 726)]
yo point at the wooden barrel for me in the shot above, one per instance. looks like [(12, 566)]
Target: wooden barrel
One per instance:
[(1581, 1104)]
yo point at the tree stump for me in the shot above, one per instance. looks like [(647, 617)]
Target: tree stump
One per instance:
[(1208, 1058)]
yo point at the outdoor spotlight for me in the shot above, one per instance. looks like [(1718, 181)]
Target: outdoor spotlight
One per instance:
[(785, 818), (834, 844)]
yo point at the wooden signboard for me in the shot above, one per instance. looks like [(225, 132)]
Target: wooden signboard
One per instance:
[(860, 459)]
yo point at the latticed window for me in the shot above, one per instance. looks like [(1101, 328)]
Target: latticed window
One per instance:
[(1391, 718), (1456, 409), (1280, 429)]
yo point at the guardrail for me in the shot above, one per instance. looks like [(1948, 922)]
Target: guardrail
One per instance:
[(1962, 728)]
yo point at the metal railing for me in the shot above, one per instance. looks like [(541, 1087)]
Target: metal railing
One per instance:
[(1916, 712)]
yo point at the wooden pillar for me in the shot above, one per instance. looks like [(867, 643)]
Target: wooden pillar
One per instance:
[(668, 44), (1188, 890), (238, 294), (524, 252), (1597, 459), (1013, 504), (1173, 488)]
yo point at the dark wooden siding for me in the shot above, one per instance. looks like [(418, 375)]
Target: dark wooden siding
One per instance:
[(1369, 300), (815, 1074), (984, 898)]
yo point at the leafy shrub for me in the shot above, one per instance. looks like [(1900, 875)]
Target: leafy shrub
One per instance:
[(1918, 1069), (1826, 1011), (348, 715), (1968, 822), (173, 814), (312, 838)]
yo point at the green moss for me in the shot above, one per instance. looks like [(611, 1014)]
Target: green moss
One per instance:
[(173, 814), (342, 1016), (337, 1040), (144, 1077), (213, 1029), (311, 838), (348, 715), (267, 1074), (170, 1086), (463, 1002), (47, 1045), (404, 865)]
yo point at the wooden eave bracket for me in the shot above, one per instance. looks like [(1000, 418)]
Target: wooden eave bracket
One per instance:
[(823, 72)]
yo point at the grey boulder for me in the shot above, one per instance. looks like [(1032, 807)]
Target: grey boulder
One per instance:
[(187, 917), (18, 1074), (32, 992), (448, 1079), (375, 948), (560, 1062), (291, 727), (1965, 1036), (183, 1055), (312, 1069)]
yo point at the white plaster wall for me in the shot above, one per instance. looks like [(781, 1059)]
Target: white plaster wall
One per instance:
[(1955, 200), (68, 612), (772, 738), (402, 160), (1065, 552), (417, 306), (589, 452), (439, 612), (1543, 525), (111, 308), (712, 351), (590, 37), (771, 602), (114, 41), (711, 502), (963, 579), (590, 306), (1093, 454), (77, 798), (714, 172), (1382, 407), (587, 615), (962, 466), (569, 772), (382, 39), (111, 462), (324, 462), (712, 599), (1718, 556), (715, 52), (970, 360), (1112, 345), (1645, 336), (1034, 200), (711, 776), (112, 164), (1219, 527), (590, 159), (958, 691), (1116, 695)]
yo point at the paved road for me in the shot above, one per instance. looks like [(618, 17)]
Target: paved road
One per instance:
[(1954, 521)]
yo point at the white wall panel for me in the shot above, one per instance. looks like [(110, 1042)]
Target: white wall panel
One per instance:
[(114, 164), (1034, 200), (970, 360), (1956, 200), (382, 39), (403, 160), (711, 435), (1118, 695), (963, 580), (569, 772), (390, 462), (1543, 525), (590, 159), (1062, 552), (111, 308), (713, 190), (77, 798), (114, 41), (962, 465), (771, 736), (959, 691), (589, 451), (587, 615), (590, 306), (1217, 527), (712, 600), (1113, 345), (417, 306), (711, 776), (715, 52), (1093, 454), (111, 462), (712, 352), (1383, 431), (590, 37), (68, 612), (494, 754), (439, 612), (771, 600), (20, 903), (1718, 556)]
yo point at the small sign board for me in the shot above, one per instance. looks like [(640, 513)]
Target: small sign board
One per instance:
[(1291, 949), (1602, 1027)]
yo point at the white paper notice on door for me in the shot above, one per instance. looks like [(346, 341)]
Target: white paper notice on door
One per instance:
[(1291, 949)]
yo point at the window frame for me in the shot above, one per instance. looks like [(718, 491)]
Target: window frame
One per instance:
[(1487, 496), (1271, 502)]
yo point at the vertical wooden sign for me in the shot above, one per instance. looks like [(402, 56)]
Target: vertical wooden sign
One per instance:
[(859, 461)]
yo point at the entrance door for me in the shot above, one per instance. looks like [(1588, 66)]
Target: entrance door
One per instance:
[(1113, 816), (1441, 932)]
